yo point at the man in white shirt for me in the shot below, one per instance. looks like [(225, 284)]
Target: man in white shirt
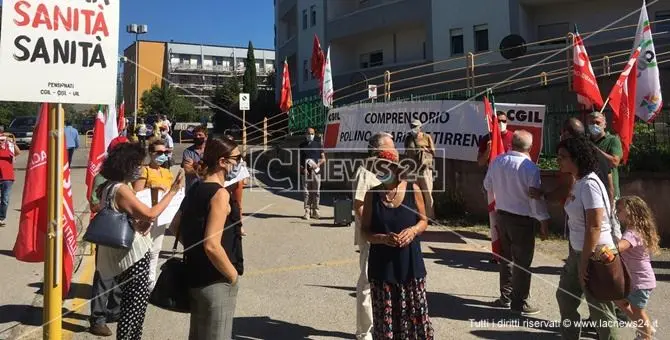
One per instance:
[(169, 146), (510, 177), (363, 182)]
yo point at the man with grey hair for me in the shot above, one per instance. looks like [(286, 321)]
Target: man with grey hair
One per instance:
[(509, 178), (609, 146), (364, 181)]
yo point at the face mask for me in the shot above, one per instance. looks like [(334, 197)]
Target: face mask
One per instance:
[(164, 133), (415, 131), (136, 174), (310, 138), (161, 159), (234, 172), (503, 126), (595, 130), (199, 141)]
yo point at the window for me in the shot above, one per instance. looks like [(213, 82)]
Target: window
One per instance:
[(305, 71), (481, 38), (313, 16), (372, 59), (662, 26), (553, 31), (304, 19), (456, 41)]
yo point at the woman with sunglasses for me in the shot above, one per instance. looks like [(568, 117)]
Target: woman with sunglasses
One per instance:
[(158, 179), (209, 228)]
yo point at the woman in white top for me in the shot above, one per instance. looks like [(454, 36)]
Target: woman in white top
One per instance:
[(587, 209), (130, 265)]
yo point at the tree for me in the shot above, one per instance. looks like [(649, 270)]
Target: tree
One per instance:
[(167, 101), (250, 81), (11, 110), (271, 80), (225, 97)]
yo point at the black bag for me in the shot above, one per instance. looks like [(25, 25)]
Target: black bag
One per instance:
[(171, 290), (109, 227), (343, 211)]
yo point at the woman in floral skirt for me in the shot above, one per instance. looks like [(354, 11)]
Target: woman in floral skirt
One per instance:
[(393, 217)]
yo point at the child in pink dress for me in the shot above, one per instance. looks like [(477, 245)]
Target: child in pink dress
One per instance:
[(639, 241)]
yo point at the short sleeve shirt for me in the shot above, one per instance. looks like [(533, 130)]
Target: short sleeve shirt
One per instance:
[(638, 262), (587, 193), (363, 182), (310, 150), (611, 145), (191, 153), (157, 178)]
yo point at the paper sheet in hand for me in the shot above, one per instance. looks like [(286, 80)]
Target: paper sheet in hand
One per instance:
[(244, 173), (172, 208), (144, 196)]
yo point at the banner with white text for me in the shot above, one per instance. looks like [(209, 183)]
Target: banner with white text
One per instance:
[(455, 126)]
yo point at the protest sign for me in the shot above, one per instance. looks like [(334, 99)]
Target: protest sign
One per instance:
[(455, 126), (59, 51)]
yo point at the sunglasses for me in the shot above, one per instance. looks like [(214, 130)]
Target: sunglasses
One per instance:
[(236, 158), (502, 121), (162, 152)]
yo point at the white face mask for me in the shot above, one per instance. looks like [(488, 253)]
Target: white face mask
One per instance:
[(503, 126), (310, 137)]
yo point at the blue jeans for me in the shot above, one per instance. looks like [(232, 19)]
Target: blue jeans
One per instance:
[(5, 191)]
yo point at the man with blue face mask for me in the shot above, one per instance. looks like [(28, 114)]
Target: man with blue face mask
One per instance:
[(311, 159), (609, 146)]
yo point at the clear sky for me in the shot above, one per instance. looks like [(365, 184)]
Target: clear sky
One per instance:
[(223, 22)]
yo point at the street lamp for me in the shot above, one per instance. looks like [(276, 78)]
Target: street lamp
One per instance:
[(137, 30)]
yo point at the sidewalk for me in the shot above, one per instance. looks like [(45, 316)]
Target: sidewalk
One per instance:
[(300, 277)]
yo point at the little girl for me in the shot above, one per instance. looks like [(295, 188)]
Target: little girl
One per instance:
[(639, 241)]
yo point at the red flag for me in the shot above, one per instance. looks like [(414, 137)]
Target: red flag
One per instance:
[(286, 96), (122, 116), (318, 59), (497, 145), (30, 241), (97, 153), (622, 101), (584, 81)]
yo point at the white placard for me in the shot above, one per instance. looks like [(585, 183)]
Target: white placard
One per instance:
[(145, 197), (245, 102), (372, 91), (455, 126), (172, 208), (59, 51)]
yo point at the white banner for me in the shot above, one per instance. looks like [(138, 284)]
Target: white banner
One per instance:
[(455, 126), (59, 51)]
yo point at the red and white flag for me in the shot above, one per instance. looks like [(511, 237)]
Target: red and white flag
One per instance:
[(327, 85), (497, 149), (30, 240), (584, 82), (286, 100), (318, 59), (122, 116), (97, 153), (622, 101)]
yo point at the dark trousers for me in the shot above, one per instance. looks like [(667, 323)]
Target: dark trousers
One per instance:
[(70, 154), (517, 238), (5, 192), (105, 300)]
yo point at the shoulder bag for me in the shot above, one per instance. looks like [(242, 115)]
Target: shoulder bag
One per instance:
[(608, 281), (109, 227), (171, 290)]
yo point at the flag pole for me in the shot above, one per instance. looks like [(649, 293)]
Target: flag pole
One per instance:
[(605, 105), (53, 280)]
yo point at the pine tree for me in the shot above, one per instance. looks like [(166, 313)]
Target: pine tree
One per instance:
[(250, 82)]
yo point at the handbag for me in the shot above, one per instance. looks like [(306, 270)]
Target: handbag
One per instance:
[(171, 289), (608, 281), (109, 227)]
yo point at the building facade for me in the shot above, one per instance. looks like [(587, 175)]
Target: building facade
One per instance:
[(195, 70), (368, 37)]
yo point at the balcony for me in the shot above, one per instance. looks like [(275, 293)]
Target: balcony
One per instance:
[(375, 15)]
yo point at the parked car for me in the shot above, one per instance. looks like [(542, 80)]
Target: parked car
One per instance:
[(22, 129)]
